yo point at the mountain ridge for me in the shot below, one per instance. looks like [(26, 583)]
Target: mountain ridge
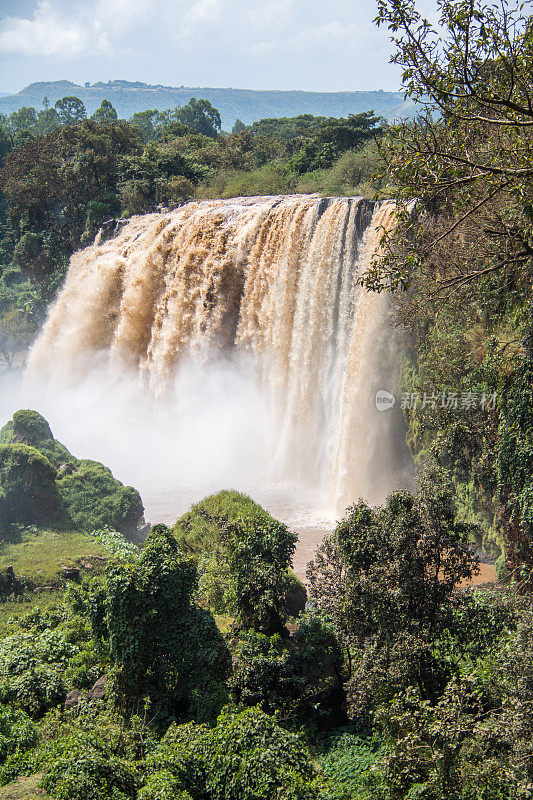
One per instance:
[(248, 105)]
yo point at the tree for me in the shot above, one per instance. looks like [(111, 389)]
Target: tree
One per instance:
[(259, 555), (386, 577), (200, 116), (16, 334), (467, 157), (71, 110), (47, 121), (60, 188), (162, 645), (106, 113), (24, 119), (238, 126)]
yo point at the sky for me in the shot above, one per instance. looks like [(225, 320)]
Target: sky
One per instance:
[(255, 44)]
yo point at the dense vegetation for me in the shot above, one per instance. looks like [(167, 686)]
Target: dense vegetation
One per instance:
[(189, 668)]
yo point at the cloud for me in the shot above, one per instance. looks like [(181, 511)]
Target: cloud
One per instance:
[(50, 34), (66, 33), (201, 12), (323, 34)]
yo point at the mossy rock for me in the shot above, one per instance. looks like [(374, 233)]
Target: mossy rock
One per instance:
[(28, 489), (54, 484), (30, 428), (93, 498)]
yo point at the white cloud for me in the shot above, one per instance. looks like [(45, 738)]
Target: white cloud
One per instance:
[(71, 32), (201, 12), (321, 34), (48, 34)]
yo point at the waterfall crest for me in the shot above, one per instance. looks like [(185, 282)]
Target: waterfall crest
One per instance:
[(273, 278)]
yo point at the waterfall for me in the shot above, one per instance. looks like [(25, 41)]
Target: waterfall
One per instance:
[(271, 280)]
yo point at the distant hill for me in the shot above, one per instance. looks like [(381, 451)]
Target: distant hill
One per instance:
[(246, 104)]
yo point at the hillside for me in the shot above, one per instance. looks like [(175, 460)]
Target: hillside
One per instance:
[(248, 105)]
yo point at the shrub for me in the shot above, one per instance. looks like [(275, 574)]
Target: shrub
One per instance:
[(246, 756), (299, 679), (209, 533), (91, 775)]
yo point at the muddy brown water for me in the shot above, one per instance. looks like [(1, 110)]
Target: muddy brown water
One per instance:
[(310, 538)]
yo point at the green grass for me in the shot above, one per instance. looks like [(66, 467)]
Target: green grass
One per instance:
[(40, 553), (23, 789)]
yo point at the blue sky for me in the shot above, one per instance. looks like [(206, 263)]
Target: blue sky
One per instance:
[(257, 44)]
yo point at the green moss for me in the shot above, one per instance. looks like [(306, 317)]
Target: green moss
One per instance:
[(30, 428), (28, 491), (93, 499), (84, 493), (200, 529)]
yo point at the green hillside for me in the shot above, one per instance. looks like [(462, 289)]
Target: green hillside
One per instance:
[(248, 105)]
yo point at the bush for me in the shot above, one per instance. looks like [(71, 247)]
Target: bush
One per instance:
[(299, 679), (209, 534), (245, 757)]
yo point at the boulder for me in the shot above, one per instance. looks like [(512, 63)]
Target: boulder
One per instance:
[(72, 700), (98, 690)]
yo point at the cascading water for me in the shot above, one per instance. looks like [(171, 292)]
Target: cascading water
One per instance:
[(265, 287)]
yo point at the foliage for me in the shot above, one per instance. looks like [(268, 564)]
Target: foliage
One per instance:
[(386, 578), (350, 762), (40, 661), (86, 493), (59, 188), (199, 116), (207, 533), (162, 645), (116, 543), (106, 112), (94, 498), (245, 757), (28, 490), (300, 680), (515, 464)]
